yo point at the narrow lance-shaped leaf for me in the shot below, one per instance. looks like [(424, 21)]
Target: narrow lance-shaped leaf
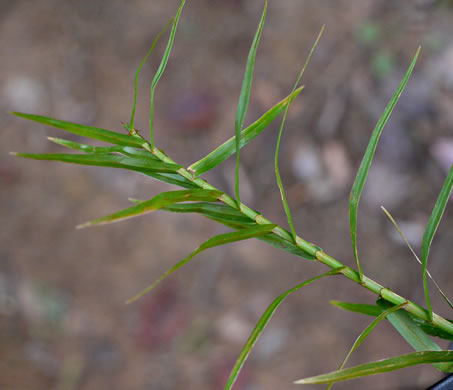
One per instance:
[(228, 148), (159, 201), (105, 160), (412, 333), (374, 311), (362, 308), (380, 366), (86, 131), (160, 70), (86, 148), (232, 218), (263, 321), (277, 149), (244, 96), (430, 231), (366, 332), (415, 255), (362, 174), (218, 240), (132, 130)]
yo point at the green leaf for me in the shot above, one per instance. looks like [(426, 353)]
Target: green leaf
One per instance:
[(218, 240), (413, 334), (277, 149), (369, 310), (372, 310), (430, 231), (416, 257), (164, 199), (132, 130), (244, 97), (263, 321), (106, 160), (381, 366), (86, 131), (173, 178), (366, 332), (220, 154), (232, 218), (362, 174), (160, 70), (86, 148)]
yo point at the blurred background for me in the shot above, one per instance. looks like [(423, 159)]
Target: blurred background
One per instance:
[(63, 321)]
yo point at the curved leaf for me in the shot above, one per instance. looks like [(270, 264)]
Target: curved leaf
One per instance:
[(86, 131), (430, 231), (263, 321), (244, 97), (160, 70), (381, 366), (159, 201), (218, 240), (362, 174)]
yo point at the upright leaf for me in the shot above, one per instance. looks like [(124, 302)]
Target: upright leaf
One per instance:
[(245, 95), (416, 257), (277, 149), (362, 174), (263, 321), (132, 130), (218, 240), (430, 231), (366, 332), (164, 199), (380, 366), (86, 131), (221, 153), (160, 70)]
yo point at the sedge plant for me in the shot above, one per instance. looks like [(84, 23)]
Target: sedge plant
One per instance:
[(418, 325)]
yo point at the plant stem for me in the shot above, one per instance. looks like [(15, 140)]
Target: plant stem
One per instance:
[(311, 249)]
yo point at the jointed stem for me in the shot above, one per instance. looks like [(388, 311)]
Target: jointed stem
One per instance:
[(311, 249)]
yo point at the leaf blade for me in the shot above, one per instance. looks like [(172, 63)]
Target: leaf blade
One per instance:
[(277, 149), (158, 202), (161, 69), (381, 366), (263, 321), (218, 240), (228, 148), (430, 231), (244, 96), (362, 173), (84, 130)]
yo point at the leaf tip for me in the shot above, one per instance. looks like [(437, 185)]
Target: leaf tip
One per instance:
[(83, 225), (13, 153)]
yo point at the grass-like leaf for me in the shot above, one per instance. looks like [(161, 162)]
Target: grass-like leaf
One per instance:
[(86, 148), (106, 160), (228, 148), (263, 321), (413, 334), (85, 131), (415, 255), (362, 174), (366, 332), (161, 69), (244, 96), (277, 149), (362, 308), (430, 231), (234, 219), (381, 366), (132, 130), (218, 240), (164, 199), (374, 311)]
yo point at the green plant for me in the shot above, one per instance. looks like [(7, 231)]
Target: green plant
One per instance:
[(134, 152)]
